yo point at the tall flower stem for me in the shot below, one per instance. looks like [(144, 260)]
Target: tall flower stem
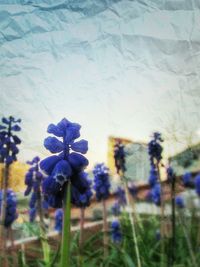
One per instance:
[(105, 229), (2, 176), (82, 215), (3, 206), (173, 220), (132, 220), (65, 245), (4, 192), (81, 237), (162, 215), (44, 241)]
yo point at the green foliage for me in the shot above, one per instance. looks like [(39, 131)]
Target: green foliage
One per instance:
[(124, 254)]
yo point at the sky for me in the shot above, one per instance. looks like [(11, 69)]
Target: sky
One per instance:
[(117, 67)]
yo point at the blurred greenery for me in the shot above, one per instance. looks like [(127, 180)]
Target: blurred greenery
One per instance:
[(124, 254)]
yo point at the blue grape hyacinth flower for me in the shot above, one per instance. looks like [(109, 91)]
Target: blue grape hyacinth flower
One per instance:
[(187, 180), (33, 181), (58, 220), (101, 181), (32, 214), (9, 140), (67, 162), (155, 149), (119, 157), (156, 194), (170, 174), (153, 176), (180, 202), (197, 184), (116, 209), (81, 191), (11, 207), (121, 197), (116, 233)]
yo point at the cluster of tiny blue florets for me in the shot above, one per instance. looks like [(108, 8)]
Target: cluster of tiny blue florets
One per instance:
[(155, 155), (119, 157), (11, 207), (81, 190), (116, 209), (67, 164), (155, 149), (58, 220), (121, 196), (153, 176), (101, 181), (170, 174), (179, 202), (33, 181), (156, 194), (197, 184), (116, 233), (8, 140), (188, 180)]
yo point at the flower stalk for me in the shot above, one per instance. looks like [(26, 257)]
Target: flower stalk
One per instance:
[(105, 229), (173, 221), (81, 237), (43, 236), (3, 206), (132, 221), (162, 217), (65, 245)]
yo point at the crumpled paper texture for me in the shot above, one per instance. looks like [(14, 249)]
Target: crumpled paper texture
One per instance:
[(118, 67)]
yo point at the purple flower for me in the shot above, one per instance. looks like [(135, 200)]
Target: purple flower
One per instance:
[(32, 214), (11, 207), (101, 181), (156, 194), (81, 190), (153, 177), (58, 220), (121, 197), (170, 174), (67, 165), (8, 140), (33, 181), (187, 180), (197, 184), (116, 209), (180, 202), (116, 232), (155, 149), (119, 157)]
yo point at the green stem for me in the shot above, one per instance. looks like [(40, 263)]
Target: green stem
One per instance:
[(162, 215), (43, 235), (82, 216), (132, 219), (105, 229), (173, 220), (65, 245), (3, 213)]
